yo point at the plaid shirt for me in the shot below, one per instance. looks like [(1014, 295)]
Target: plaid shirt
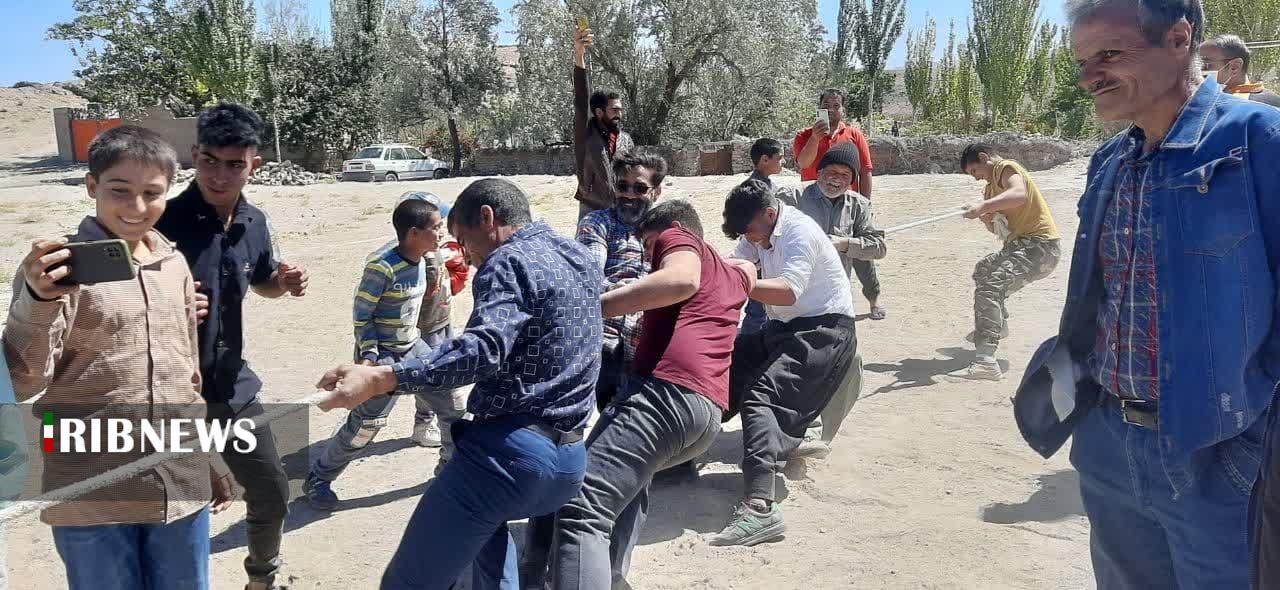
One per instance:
[(1126, 351), (618, 253)]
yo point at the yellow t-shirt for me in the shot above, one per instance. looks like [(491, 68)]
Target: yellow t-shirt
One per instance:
[(1032, 219)]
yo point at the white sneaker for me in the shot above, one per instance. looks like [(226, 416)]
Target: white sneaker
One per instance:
[(812, 448), (977, 371), (426, 434)]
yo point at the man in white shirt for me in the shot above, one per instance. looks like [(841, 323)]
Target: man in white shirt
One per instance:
[(783, 376)]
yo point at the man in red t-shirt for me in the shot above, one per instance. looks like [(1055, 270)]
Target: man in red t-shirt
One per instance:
[(811, 145), (671, 408)]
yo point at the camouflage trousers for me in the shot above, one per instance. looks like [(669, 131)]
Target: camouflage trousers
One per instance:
[(1021, 262)]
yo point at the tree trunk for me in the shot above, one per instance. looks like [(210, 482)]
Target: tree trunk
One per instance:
[(453, 97), (457, 145), (871, 101)]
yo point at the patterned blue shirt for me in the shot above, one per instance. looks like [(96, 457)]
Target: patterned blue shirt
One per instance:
[(532, 345), (1126, 350)]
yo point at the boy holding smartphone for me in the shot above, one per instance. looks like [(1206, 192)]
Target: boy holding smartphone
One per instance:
[(117, 349)]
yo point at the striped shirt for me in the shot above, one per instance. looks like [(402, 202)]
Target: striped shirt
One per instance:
[(387, 304), (123, 349), (1127, 347)]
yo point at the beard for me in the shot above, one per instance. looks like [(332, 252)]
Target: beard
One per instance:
[(614, 125), (832, 191), (631, 211)]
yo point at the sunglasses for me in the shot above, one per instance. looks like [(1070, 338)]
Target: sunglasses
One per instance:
[(638, 188)]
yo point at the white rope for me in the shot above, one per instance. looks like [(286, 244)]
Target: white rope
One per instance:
[(129, 470), (933, 219)]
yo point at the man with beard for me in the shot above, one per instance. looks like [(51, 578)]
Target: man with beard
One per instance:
[(597, 133), (846, 217), (612, 237)]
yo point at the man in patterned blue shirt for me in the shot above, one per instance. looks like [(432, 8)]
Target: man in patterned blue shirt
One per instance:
[(532, 349)]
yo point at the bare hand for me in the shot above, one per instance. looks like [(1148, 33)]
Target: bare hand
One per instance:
[(822, 129), (222, 492), (352, 385), (293, 279), (367, 363), (841, 243), (582, 41), (972, 211), (202, 305), (35, 268)]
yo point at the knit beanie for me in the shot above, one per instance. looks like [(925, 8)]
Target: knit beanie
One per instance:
[(841, 153)]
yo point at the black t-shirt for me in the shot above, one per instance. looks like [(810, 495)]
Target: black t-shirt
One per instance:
[(226, 261), (1265, 97)]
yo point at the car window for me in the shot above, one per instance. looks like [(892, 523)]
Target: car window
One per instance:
[(370, 153), (414, 154), (396, 154)]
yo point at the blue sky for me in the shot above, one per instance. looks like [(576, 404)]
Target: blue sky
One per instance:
[(28, 56)]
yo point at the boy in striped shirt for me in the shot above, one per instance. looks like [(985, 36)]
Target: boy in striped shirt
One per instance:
[(388, 306)]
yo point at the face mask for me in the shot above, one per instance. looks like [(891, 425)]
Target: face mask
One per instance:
[(630, 211)]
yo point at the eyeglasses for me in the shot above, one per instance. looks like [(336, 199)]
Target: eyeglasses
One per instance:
[(638, 188)]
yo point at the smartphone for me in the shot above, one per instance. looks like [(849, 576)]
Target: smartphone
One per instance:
[(582, 24), (824, 117), (103, 261)]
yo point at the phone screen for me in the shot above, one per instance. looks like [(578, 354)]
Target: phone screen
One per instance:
[(823, 117)]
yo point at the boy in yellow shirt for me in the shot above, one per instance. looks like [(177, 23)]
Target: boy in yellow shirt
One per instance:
[(1012, 208)]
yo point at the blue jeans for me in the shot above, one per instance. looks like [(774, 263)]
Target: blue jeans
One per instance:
[(1142, 536), (172, 556), (500, 471), (754, 318)]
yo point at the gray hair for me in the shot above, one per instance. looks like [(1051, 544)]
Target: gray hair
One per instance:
[(1233, 47), (1155, 16)]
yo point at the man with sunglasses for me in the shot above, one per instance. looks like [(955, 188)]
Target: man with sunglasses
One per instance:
[(1227, 58)]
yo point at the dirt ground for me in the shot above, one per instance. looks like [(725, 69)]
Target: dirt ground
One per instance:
[(929, 484)]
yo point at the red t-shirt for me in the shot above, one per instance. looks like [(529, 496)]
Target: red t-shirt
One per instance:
[(691, 343), (842, 133)]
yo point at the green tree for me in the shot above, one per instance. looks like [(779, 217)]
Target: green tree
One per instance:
[(1040, 67), (1000, 36), (918, 73), (875, 32), (216, 44), (358, 58), (1253, 21), (128, 53), (306, 98), (445, 55), (1070, 111), (543, 106)]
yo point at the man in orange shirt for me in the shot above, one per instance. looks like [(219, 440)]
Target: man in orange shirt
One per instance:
[(809, 147)]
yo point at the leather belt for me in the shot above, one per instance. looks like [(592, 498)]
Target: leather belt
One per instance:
[(559, 437), (1138, 412)]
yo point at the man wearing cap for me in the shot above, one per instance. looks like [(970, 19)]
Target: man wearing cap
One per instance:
[(846, 217)]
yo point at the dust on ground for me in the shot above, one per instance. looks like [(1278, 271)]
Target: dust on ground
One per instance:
[(929, 484)]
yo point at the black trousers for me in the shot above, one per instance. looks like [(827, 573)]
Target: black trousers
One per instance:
[(780, 380), (266, 492)]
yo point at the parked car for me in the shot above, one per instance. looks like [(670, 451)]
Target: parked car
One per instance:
[(391, 162)]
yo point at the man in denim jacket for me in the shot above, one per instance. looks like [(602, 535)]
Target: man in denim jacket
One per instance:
[(1167, 357)]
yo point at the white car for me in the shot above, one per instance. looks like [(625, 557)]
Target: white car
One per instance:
[(391, 162)]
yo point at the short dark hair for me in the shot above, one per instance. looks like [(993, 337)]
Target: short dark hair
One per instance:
[(641, 157), (832, 92), (744, 202), (600, 99), (133, 143), (1233, 47), (1155, 16), (229, 124), (663, 217), (765, 146), (971, 151), (412, 213), (510, 205)]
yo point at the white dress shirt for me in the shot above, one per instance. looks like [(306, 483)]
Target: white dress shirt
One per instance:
[(801, 254)]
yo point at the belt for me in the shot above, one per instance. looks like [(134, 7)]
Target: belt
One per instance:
[(1137, 412), (557, 436)]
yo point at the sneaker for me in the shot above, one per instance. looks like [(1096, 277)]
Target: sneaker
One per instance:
[(319, 493), (812, 449), (426, 434), (977, 371), (751, 527)]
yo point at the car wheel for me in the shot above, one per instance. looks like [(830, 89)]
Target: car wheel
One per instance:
[(390, 177), (441, 173)]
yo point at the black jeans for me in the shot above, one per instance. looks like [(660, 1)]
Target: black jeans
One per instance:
[(781, 379), (266, 492)]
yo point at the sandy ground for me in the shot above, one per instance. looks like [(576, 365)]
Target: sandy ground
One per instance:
[(929, 484)]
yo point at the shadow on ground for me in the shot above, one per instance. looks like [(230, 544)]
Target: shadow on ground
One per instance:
[(1056, 498), (911, 373)]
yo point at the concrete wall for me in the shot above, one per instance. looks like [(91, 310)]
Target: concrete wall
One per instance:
[(180, 132), (62, 130), (891, 155)]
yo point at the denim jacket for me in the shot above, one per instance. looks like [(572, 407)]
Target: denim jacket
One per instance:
[(1216, 216)]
